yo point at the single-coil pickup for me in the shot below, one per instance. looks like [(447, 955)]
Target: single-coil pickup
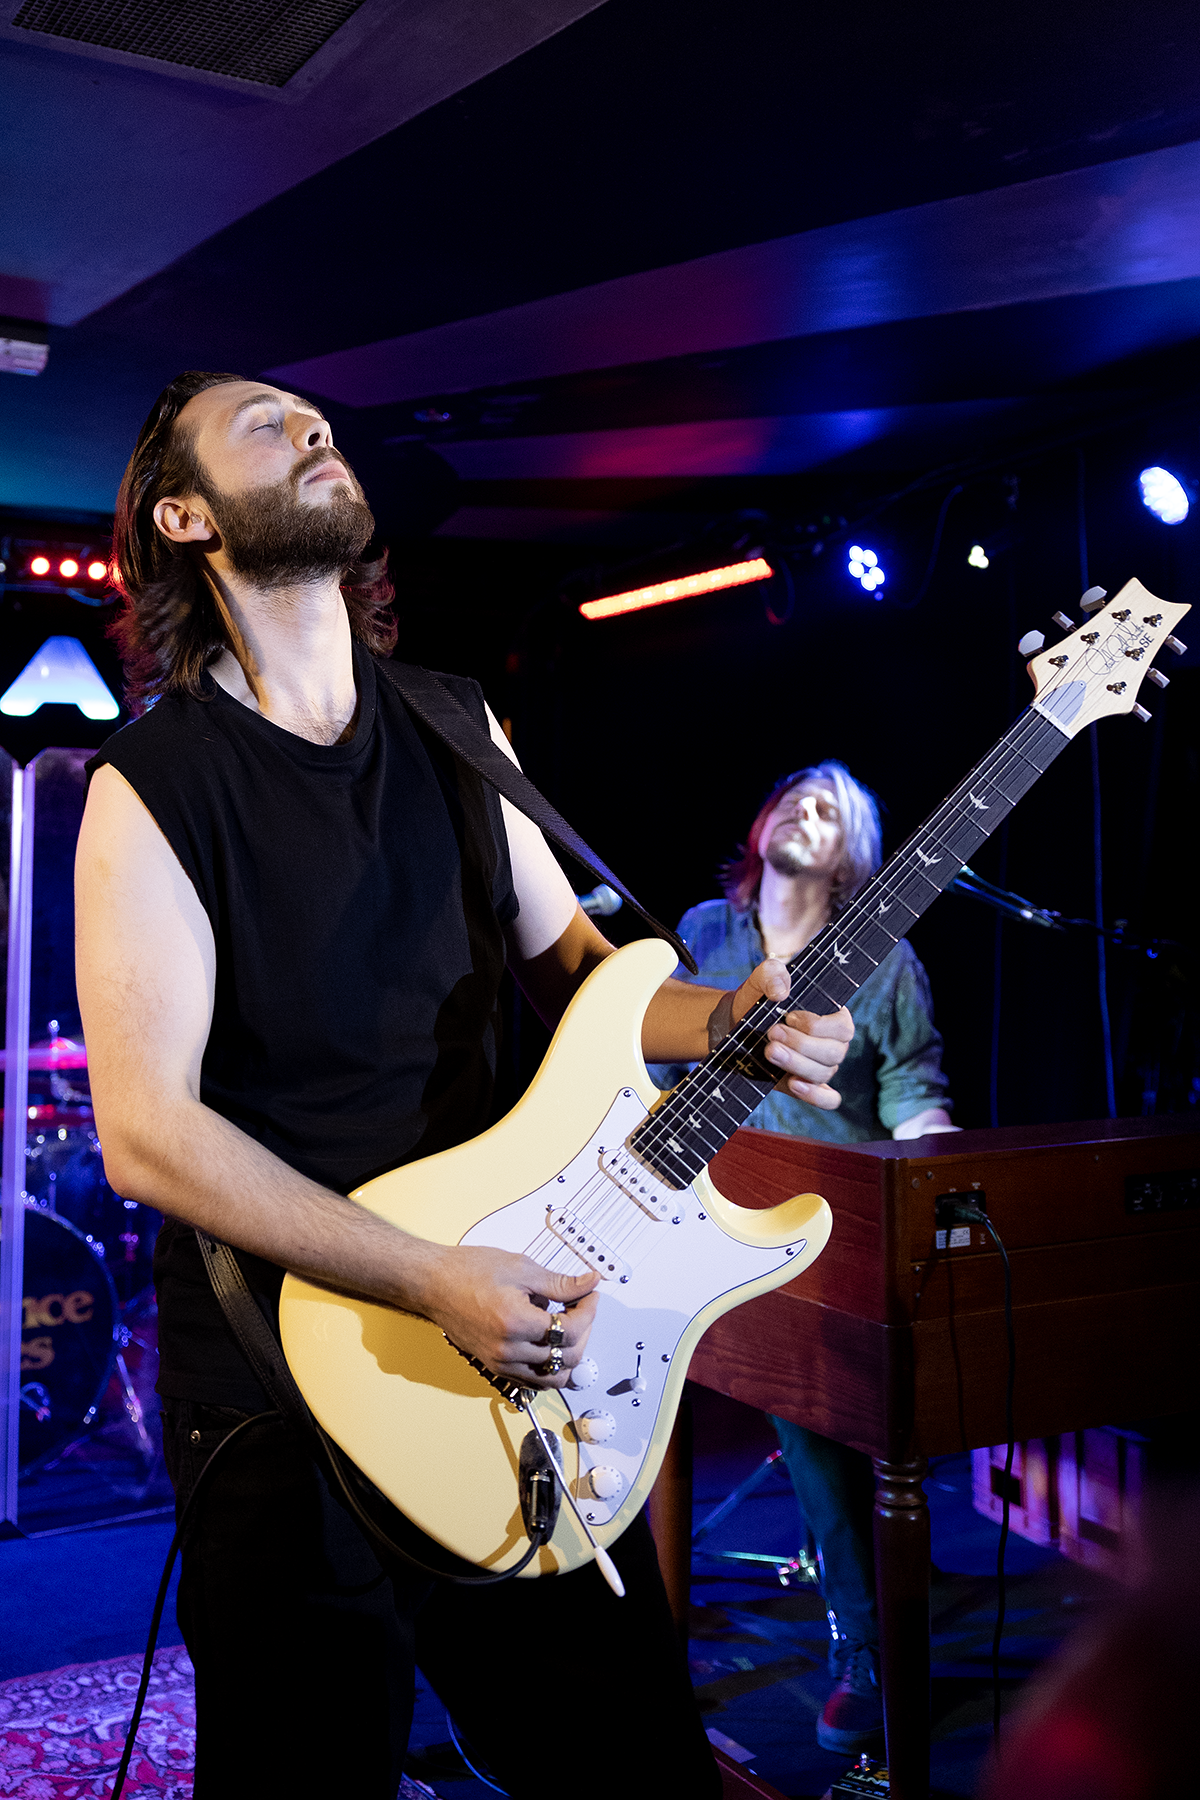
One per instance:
[(580, 1238), (633, 1179)]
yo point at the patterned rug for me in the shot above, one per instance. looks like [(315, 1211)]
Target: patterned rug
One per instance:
[(62, 1733)]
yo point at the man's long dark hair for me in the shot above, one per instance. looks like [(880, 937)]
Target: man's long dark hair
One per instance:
[(172, 625)]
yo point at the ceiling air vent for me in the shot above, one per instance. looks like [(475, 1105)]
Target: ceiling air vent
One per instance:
[(263, 41)]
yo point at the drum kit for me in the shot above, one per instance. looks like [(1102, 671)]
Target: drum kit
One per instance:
[(88, 1325)]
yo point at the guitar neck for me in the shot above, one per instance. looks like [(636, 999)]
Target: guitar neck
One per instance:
[(685, 1133)]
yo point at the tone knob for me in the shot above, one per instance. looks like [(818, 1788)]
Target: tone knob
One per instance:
[(585, 1374), (604, 1484), (595, 1427)]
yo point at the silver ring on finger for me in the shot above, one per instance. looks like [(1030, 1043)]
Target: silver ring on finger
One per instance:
[(556, 1335)]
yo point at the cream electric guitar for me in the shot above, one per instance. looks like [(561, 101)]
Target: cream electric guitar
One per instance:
[(594, 1169)]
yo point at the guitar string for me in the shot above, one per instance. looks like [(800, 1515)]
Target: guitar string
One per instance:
[(1031, 730), (1025, 733), (601, 1221)]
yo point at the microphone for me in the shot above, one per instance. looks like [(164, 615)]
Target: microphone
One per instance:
[(601, 902)]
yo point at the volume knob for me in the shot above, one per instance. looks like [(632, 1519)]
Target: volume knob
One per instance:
[(604, 1484), (595, 1427), (585, 1374)]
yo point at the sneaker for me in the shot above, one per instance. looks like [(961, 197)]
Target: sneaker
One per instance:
[(853, 1715)]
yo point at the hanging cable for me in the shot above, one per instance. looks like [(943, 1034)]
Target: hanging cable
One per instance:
[(907, 605), (973, 1215), (1110, 1094)]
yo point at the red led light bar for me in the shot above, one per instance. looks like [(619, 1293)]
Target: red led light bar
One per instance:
[(735, 575)]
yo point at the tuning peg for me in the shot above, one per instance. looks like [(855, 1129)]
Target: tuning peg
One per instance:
[(1158, 678), (1033, 640), (1139, 712), (1174, 644), (1094, 597), (1061, 620)]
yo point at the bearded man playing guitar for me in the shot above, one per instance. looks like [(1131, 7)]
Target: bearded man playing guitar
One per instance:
[(294, 907)]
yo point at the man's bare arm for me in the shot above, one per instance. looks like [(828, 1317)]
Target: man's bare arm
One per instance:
[(145, 972)]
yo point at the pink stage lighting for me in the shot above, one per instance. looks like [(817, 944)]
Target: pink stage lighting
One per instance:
[(40, 565), (97, 571), (68, 568)]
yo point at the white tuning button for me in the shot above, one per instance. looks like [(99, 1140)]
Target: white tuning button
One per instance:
[(585, 1374), (595, 1427), (1139, 712), (1095, 596), (1158, 678), (1033, 640), (604, 1484), (1174, 643), (1062, 621)]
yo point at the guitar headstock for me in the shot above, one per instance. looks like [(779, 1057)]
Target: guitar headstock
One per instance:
[(1098, 668)]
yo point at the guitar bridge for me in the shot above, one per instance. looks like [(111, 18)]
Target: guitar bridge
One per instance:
[(571, 1230)]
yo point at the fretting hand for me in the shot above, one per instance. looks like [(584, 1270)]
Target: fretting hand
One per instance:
[(807, 1048)]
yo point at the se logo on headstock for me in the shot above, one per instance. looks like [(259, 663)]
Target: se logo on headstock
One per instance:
[(1099, 667)]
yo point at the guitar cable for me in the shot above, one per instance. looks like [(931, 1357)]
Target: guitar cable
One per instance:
[(161, 1597), (962, 1211), (604, 1561), (379, 1537)]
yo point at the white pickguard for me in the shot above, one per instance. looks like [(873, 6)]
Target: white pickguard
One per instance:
[(676, 1266)]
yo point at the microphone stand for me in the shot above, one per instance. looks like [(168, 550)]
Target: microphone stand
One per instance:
[(1014, 906)]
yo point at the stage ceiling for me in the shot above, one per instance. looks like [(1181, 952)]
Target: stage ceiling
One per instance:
[(586, 250)]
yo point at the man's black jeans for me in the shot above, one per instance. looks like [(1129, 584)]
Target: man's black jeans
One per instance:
[(304, 1646)]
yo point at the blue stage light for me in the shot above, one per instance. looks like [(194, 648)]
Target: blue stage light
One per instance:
[(1164, 494), (864, 568)]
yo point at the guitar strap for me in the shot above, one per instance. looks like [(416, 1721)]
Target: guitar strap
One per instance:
[(436, 707)]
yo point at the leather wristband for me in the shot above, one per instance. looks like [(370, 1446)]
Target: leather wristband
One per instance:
[(720, 1020)]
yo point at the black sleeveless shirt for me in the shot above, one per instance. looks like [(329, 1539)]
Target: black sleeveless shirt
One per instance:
[(356, 894)]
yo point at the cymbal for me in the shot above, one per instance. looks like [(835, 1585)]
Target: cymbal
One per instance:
[(53, 1053)]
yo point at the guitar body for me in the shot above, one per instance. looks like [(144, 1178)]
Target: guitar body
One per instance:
[(436, 1435)]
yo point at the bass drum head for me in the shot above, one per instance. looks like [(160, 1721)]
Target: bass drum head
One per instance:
[(67, 1348)]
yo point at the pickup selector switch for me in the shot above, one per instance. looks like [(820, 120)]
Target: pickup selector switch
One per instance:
[(585, 1374), (603, 1483), (595, 1426)]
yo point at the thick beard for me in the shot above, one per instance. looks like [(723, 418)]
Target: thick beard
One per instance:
[(272, 539)]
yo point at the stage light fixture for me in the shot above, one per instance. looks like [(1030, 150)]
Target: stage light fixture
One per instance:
[(1164, 494), (978, 557), (864, 568), (40, 565), (68, 568), (755, 568), (96, 571)]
